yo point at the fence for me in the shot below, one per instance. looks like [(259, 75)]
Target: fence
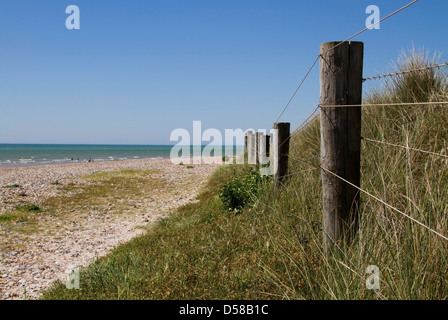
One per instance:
[(341, 82)]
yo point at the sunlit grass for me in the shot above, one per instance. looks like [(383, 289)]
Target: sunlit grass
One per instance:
[(274, 250)]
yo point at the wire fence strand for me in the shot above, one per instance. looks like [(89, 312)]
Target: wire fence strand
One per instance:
[(404, 147), (298, 88), (321, 55), (392, 74), (371, 26), (301, 161), (302, 125), (299, 172), (306, 122), (387, 205)]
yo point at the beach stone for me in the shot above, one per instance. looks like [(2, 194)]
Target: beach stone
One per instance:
[(85, 236)]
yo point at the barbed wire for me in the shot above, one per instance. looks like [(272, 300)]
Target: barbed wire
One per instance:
[(313, 114), (384, 104), (371, 26), (320, 55), (404, 147), (392, 74)]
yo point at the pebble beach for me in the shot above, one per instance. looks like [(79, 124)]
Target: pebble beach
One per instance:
[(31, 261)]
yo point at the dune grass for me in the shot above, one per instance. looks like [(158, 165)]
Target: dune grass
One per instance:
[(273, 249), (412, 260)]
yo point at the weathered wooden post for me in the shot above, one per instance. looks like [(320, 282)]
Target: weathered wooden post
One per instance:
[(281, 152), (340, 84)]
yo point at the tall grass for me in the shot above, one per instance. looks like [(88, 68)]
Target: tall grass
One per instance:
[(413, 261)]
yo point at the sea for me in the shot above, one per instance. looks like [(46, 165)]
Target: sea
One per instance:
[(41, 154)]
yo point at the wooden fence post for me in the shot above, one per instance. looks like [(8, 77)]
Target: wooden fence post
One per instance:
[(340, 84), (281, 152)]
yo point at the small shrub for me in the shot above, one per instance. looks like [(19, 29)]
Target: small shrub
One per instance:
[(190, 167), (238, 193)]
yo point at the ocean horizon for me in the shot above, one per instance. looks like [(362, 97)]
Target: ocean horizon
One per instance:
[(12, 154)]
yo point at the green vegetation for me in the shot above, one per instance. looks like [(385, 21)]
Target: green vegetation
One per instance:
[(242, 191), (273, 249), (28, 208), (96, 193), (101, 189), (197, 252), (22, 219), (8, 217), (120, 174), (13, 186)]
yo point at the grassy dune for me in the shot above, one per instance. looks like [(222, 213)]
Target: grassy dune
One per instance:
[(273, 249)]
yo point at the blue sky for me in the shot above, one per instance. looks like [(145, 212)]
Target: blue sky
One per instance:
[(138, 69)]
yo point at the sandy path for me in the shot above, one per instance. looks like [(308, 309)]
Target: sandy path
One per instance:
[(31, 262)]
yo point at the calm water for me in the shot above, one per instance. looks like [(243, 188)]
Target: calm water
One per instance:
[(36, 154)]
